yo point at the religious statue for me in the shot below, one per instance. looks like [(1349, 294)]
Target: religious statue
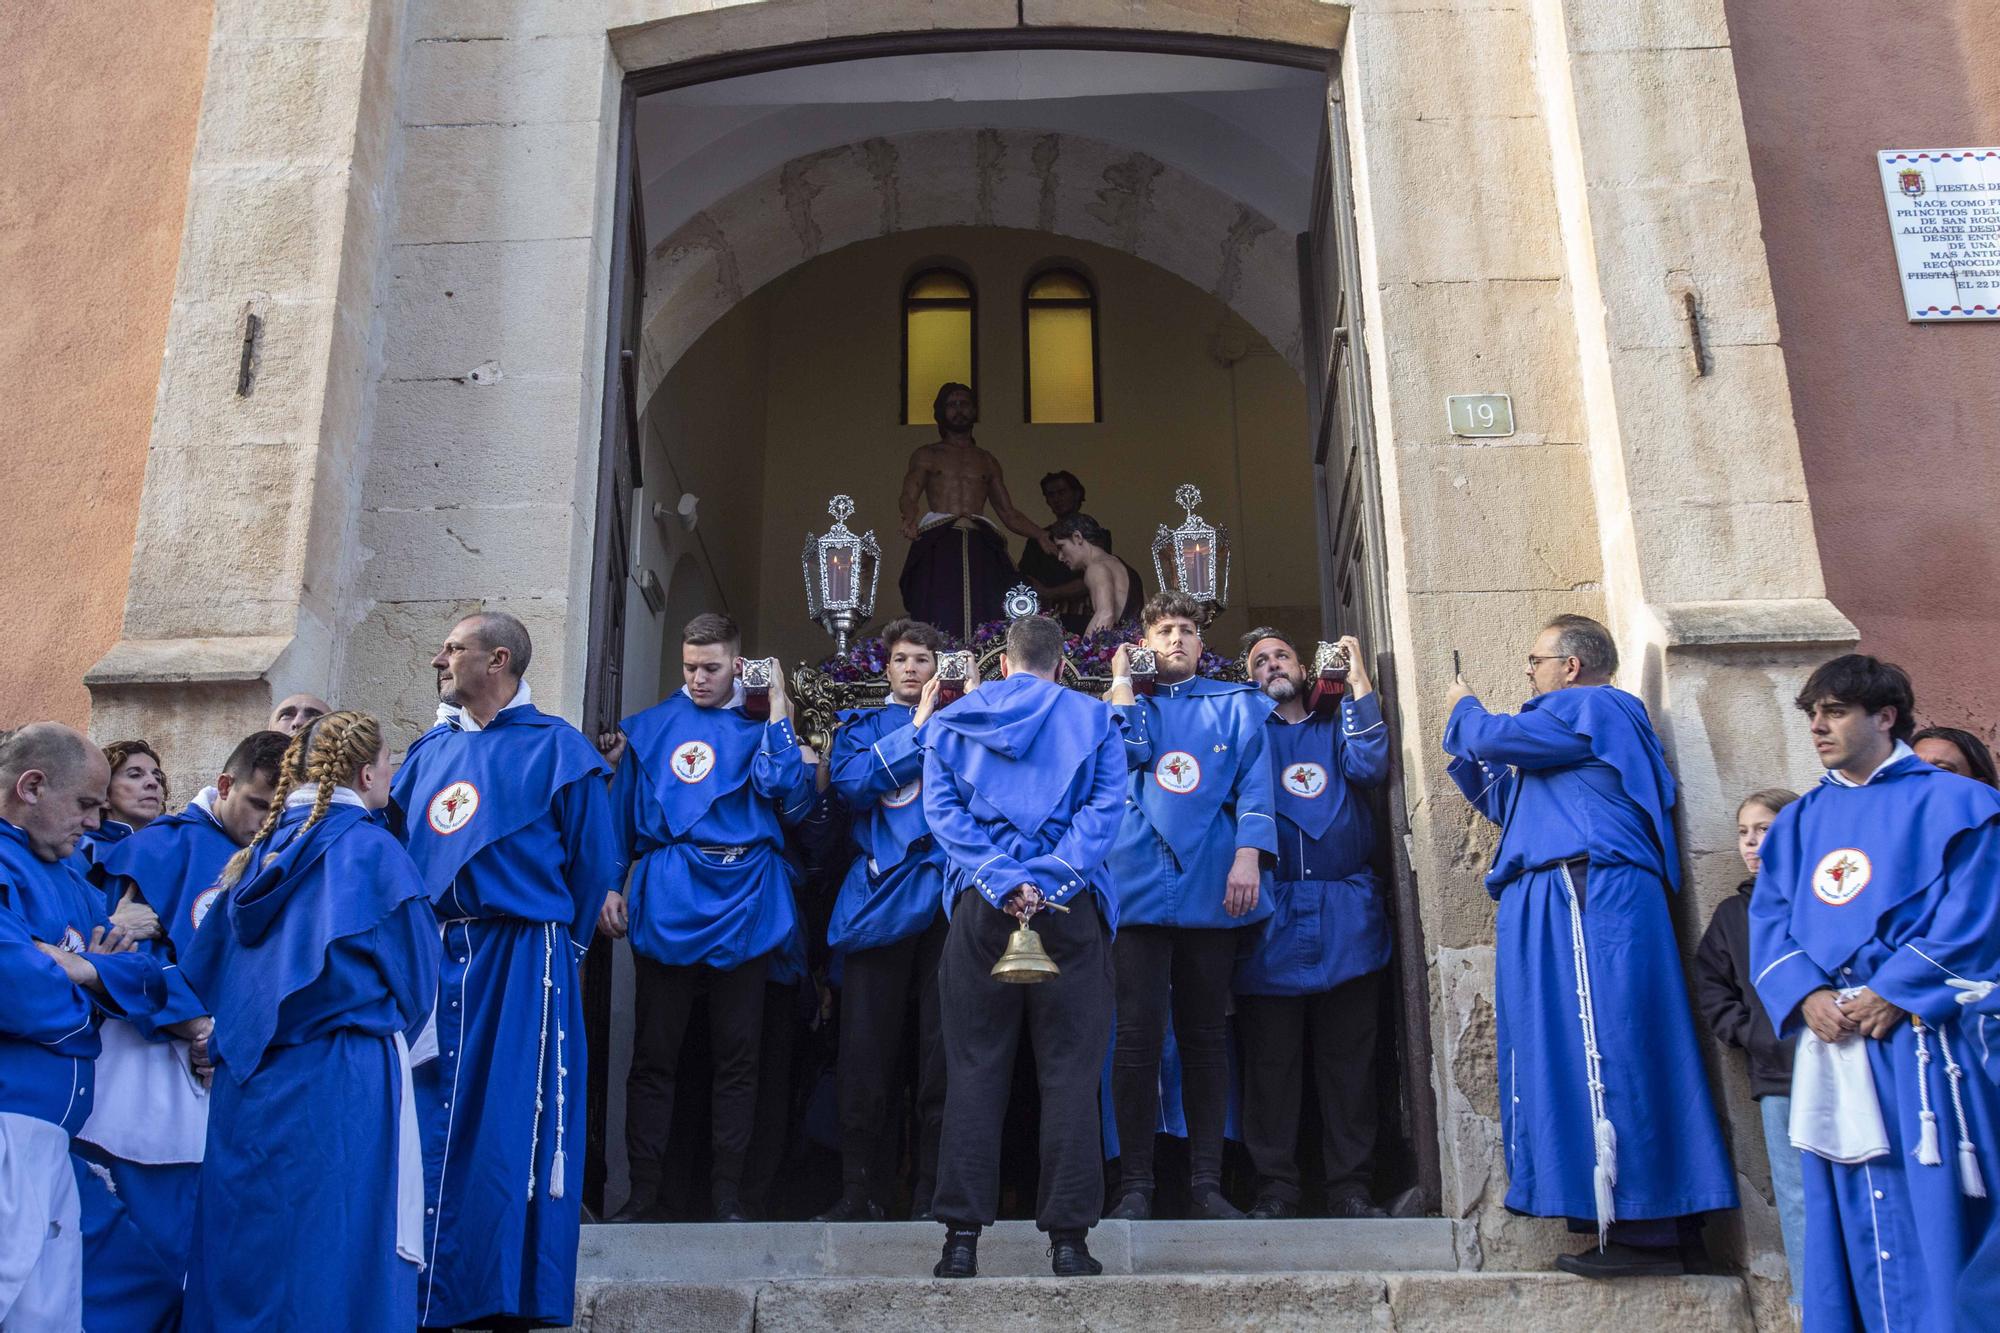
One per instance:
[(958, 570)]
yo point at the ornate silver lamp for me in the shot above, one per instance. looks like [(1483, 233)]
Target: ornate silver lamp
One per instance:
[(841, 569), (1194, 557)]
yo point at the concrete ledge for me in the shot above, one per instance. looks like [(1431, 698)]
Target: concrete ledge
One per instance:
[(778, 1251), (1751, 624), (184, 661)]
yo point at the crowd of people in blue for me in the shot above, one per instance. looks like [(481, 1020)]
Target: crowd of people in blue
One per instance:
[(310, 1051)]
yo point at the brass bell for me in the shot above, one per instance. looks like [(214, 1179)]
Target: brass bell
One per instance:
[(1025, 961)]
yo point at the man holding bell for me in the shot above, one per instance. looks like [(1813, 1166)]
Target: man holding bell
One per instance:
[(1024, 790)]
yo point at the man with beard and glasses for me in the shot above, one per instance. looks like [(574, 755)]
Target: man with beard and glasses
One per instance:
[(1315, 979), (958, 570)]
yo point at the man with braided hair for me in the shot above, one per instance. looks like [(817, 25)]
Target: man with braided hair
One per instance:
[(319, 962), (507, 814)]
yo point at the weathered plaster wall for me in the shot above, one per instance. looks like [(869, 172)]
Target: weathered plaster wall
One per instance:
[(99, 103), (1895, 419)]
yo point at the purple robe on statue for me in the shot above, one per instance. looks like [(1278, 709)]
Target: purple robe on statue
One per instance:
[(957, 574)]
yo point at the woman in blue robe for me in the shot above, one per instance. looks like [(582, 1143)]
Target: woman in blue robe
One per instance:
[(311, 1199)]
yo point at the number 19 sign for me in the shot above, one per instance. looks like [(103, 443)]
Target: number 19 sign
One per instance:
[(1480, 415)]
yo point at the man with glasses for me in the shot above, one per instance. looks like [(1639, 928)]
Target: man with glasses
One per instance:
[(1595, 1041)]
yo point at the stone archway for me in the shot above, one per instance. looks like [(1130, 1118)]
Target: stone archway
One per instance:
[(1059, 184)]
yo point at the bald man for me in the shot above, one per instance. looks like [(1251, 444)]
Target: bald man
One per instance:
[(296, 712), (63, 968)]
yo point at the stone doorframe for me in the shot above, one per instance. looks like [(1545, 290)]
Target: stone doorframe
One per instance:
[(1553, 199)]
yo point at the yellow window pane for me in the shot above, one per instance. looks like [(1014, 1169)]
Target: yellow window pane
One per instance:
[(1058, 287), (939, 285), (1061, 375), (940, 353)]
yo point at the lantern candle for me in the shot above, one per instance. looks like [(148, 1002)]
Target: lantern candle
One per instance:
[(1200, 581), (839, 576)]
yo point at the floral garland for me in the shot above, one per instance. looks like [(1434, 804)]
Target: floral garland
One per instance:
[(1090, 655)]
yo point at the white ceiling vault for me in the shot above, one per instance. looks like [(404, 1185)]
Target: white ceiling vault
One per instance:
[(1247, 129)]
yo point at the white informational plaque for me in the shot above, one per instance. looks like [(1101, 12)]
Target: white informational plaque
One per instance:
[(1944, 215)]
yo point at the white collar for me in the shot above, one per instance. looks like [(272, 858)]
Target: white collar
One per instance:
[(1902, 751), (341, 796), (453, 715), (205, 800), (735, 695)]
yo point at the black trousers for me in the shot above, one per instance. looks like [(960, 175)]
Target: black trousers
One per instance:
[(770, 1138), (877, 986), (1194, 968), (1274, 1033), (664, 996), (1068, 1022)]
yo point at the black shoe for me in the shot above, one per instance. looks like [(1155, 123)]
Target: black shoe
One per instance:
[(1136, 1206), (643, 1206), (1270, 1210), (1616, 1260), (1209, 1205), (961, 1254), (1070, 1257), (923, 1214), (1353, 1204), (729, 1207), (853, 1210)]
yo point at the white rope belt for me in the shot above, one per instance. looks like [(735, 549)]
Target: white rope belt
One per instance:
[(1970, 1182), (549, 1004), (1604, 1177)]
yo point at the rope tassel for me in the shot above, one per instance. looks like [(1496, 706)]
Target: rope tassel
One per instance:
[(1970, 1181), (1604, 1175), (1927, 1138)]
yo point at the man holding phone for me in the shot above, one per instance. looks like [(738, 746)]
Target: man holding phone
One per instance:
[(703, 794)]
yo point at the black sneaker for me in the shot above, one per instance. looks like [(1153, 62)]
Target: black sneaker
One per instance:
[(1353, 1204), (643, 1206), (1209, 1205), (1271, 1210), (853, 1210), (961, 1254), (729, 1206), (1136, 1206), (1617, 1260), (1070, 1257)]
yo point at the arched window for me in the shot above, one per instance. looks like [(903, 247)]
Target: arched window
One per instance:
[(1059, 331), (938, 309)]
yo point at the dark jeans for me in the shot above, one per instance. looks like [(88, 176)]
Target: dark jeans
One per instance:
[(1194, 968), (1274, 1032), (664, 996), (1068, 1022), (877, 986)]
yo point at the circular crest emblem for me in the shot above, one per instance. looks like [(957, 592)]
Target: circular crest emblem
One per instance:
[(1307, 780), (902, 796), (1178, 772), (1841, 875), (72, 940), (452, 809), (204, 901), (693, 761)]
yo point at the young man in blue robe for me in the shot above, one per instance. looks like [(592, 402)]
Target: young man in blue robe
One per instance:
[(703, 795), (1192, 873), (138, 1157), (506, 812), (63, 969), (889, 927), (319, 962), (1315, 979), (1024, 789), (1596, 1042), (1877, 892)]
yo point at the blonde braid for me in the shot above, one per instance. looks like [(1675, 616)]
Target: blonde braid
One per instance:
[(289, 769), (328, 754)]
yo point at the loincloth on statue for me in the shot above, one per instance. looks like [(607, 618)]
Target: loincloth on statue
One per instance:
[(957, 574)]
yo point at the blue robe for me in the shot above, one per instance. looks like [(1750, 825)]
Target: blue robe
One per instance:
[(1200, 789), (1327, 923), (93, 847), (998, 766), (511, 827), (697, 777), (893, 887), (1579, 773), (1892, 886), (313, 965), (138, 1217), (1979, 1285)]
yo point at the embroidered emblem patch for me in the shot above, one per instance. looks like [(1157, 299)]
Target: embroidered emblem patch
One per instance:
[(902, 796), (199, 909), (1307, 780), (1178, 772), (1841, 875), (72, 939), (452, 809), (693, 761)]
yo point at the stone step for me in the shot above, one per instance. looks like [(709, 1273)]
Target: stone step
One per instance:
[(1405, 1302), (757, 1251)]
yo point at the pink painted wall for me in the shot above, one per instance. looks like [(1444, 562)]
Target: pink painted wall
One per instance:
[(1899, 423)]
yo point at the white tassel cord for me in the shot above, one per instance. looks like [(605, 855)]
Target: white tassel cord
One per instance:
[(1969, 1180), (1604, 1176), (1927, 1139), (541, 1057), (556, 1174)]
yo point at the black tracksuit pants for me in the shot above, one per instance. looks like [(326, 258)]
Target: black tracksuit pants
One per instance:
[(875, 992), (1194, 967), (664, 997), (1274, 1033), (1067, 1018)]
